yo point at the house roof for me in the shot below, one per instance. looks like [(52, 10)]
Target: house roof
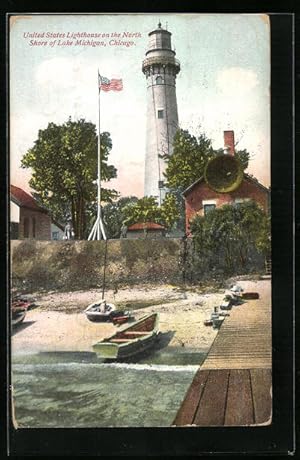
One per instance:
[(146, 225), (246, 177), (193, 185), (256, 182), (24, 200)]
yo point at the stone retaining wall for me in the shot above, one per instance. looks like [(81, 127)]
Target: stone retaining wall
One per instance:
[(69, 265), (77, 265)]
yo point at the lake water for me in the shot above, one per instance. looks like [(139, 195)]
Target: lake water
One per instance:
[(78, 390)]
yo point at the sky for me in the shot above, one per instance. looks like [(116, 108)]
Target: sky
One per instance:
[(224, 83)]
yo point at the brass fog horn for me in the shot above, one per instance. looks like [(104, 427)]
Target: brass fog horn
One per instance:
[(224, 173)]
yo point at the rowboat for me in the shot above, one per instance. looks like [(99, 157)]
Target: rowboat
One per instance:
[(18, 311), (208, 322), (230, 300), (121, 319), (250, 295), (226, 305), (132, 340), (217, 322), (99, 311), (18, 317)]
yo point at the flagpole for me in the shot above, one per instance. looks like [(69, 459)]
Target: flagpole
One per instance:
[(100, 224), (98, 227), (99, 163)]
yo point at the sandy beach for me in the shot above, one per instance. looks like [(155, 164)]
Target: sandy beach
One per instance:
[(58, 322)]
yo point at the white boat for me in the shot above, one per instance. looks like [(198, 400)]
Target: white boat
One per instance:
[(99, 311), (236, 289)]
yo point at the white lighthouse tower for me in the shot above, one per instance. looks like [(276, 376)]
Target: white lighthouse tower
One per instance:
[(160, 68)]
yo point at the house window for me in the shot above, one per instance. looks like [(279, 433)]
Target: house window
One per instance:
[(159, 80), (160, 113), (33, 227), (239, 201), (208, 207), (14, 230), (55, 235), (26, 227)]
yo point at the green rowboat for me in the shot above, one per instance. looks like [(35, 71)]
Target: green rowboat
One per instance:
[(132, 340)]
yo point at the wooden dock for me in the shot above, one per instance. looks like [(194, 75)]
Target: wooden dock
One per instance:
[(233, 385)]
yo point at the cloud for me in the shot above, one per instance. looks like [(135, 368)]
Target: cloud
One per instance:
[(75, 71), (130, 179), (236, 101), (236, 81), (57, 72), (68, 87)]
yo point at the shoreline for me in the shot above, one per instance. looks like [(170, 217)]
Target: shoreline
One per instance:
[(58, 322)]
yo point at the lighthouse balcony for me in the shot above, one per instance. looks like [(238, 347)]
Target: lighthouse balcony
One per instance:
[(162, 61)]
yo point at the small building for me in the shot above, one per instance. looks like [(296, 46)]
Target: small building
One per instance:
[(57, 231), (200, 198), (146, 230), (27, 218)]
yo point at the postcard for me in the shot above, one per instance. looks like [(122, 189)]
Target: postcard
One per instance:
[(140, 220)]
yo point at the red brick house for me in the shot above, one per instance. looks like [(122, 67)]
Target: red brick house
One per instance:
[(200, 198), (27, 218)]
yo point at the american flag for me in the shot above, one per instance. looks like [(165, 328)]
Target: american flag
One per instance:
[(109, 85)]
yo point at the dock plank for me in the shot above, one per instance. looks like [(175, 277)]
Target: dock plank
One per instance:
[(244, 340), (261, 381), (239, 409), (186, 413), (211, 409)]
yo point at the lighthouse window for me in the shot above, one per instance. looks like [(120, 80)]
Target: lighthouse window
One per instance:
[(160, 114), (159, 80)]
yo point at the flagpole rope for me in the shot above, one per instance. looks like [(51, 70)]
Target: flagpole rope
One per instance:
[(104, 271)]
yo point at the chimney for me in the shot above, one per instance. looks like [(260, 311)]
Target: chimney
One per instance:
[(229, 142)]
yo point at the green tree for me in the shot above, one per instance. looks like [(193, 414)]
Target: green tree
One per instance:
[(231, 233), (170, 211), (242, 155), (187, 163), (189, 158), (185, 166), (146, 209), (113, 215), (64, 165)]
